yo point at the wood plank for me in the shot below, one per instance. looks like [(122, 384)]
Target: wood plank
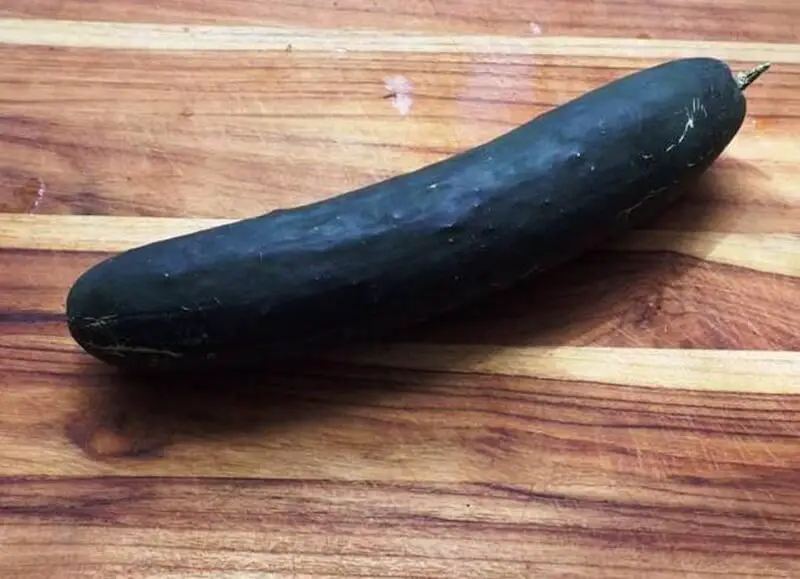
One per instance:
[(771, 21), (741, 371), (172, 37), (63, 415), (151, 36), (224, 135), (155, 528), (619, 299), (769, 253), (755, 371)]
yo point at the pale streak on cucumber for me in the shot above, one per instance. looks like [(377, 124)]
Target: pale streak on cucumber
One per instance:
[(748, 77), (119, 350)]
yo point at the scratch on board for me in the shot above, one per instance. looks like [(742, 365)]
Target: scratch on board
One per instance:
[(26, 198)]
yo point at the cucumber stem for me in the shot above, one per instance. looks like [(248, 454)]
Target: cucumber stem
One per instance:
[(748, 77)]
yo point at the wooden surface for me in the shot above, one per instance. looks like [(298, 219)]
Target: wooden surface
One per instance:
[(634, 414)]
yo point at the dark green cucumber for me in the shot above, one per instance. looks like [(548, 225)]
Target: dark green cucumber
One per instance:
[(410, 248)]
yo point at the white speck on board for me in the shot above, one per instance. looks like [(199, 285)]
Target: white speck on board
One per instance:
[(401, 90), (37, 200), (535, 28)]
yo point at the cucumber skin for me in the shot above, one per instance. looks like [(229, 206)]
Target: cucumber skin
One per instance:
[(415, 246)]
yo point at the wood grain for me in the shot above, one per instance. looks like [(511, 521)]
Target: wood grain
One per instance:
[(345, 420), (400, 530), (632, 414), (348, 471), (220, 135), (773, 21), (152, 36)]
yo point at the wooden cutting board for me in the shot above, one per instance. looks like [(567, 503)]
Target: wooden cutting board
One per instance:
[(633, 414)]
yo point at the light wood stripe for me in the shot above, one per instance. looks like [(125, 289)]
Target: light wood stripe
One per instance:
[(151, 36), (755, 371), (693, 369), (765, 252), (104, 233)]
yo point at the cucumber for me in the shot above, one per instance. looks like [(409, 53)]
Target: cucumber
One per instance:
[(404, 250)]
